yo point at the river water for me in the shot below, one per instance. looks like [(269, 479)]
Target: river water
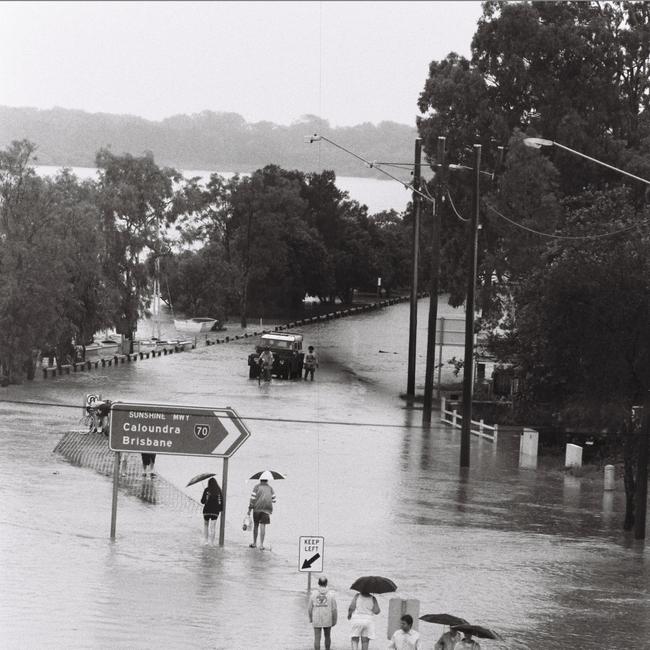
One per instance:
[(533, 554), (376, 194)]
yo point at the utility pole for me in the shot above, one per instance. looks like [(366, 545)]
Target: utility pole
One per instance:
[(641, 492), (468, 365), (413, 318), (434, 283)]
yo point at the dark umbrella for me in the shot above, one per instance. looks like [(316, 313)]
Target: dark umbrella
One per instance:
[(373, 585), (444, 619), (199, 477), (478, 630), (275, 475)]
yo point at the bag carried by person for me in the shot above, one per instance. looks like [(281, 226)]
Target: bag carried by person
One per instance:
[(247, 522)]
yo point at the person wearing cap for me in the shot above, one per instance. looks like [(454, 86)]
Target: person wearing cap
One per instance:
[(310, 362), (261, 504), (322, 612), (406, 638)]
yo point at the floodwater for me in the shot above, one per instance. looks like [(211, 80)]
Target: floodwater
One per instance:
[(533, 554)]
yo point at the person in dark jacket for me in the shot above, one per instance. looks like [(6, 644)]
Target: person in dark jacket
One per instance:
[(213, 504)]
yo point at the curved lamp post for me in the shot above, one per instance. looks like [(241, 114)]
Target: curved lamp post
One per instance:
[(538, 143)]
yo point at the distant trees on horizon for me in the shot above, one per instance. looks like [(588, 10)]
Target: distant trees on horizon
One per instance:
[(206, 140)]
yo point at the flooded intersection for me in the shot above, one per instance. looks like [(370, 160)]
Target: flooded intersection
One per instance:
[(533, 554)]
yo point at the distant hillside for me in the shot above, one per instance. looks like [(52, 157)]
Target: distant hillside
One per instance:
[(208, 140)]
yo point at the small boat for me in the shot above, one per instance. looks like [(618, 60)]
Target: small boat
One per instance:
[(104, 349), (195, 325)]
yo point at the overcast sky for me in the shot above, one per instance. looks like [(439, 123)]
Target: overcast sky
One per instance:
[(349, 62)]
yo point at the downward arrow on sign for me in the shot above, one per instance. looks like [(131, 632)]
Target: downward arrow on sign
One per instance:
[(307, 563)]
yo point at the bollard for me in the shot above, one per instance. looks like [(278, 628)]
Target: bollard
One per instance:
[(609, 477), (528, 447), (573, 456)]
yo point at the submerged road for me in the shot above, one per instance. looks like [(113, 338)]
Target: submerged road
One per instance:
[(533, 554)]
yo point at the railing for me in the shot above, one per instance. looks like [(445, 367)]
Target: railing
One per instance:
[(477, 428)]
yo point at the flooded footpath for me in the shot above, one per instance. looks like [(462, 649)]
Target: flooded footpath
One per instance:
[(534, 554)]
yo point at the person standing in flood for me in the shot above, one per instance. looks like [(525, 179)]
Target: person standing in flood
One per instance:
[(213, 504), (448, 640), (261, 504), (310, 362), (322, 613), (148, 461), (361, 614)]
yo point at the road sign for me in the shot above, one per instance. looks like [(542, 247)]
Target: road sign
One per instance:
[(90, 400), (310, 554), (186, 430)]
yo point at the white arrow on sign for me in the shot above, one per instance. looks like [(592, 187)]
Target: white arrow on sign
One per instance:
[(231, 428)]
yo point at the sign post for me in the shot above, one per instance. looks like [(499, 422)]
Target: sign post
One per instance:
[(182, 430)]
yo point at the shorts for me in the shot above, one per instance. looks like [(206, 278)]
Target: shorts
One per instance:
[(261, 518), (363, 627), (207, 516), (148, 459)]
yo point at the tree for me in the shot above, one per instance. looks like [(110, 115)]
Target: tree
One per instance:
[(32, 273), (137, 201)]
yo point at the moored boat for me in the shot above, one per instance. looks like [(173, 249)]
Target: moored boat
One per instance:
[(195, 325)]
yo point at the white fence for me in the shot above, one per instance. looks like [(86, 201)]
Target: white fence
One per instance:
[(477, 428)]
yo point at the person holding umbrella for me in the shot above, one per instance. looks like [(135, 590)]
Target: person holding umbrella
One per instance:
[(364, 607), (467, 643), (360, 614), (448, 640), (213, 504), (261, 504)]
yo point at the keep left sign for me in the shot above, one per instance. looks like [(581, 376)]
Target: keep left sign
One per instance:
[(310, 554)]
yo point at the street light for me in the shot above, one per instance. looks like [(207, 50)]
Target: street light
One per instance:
[(538, 143), (641, 496)]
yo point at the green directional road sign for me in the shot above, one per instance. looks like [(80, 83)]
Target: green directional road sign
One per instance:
[(186, 430)]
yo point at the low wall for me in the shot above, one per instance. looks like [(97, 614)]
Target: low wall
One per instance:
[(86, 366)]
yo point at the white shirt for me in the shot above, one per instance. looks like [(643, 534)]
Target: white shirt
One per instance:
[(405, 640)]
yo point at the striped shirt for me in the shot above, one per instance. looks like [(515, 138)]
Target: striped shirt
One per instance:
[(262, 498)]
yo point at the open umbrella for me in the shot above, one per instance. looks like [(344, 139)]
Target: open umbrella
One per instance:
[(443, 619), (478, 630), (373, 585), (199, 477), (267, 474)]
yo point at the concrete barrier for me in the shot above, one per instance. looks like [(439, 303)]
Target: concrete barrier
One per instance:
[(528, 447), (573, 457)]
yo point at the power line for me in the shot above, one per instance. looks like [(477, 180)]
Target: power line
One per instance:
[(247, 417), (453, 207), (553, 236)]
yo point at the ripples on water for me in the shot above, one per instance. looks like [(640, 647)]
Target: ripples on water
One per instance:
[(533, 554)]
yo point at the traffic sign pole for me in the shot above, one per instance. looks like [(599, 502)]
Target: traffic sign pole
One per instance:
[(224, 492), (180, 430), (116, 482)]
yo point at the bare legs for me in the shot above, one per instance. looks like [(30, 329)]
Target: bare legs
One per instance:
[(209, 530), (328, 639), (262, 531)]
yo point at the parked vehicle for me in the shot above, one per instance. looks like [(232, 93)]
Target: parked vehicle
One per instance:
[(287, 355)]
